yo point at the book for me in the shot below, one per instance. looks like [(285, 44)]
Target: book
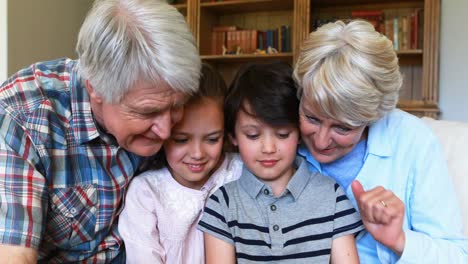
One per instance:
[(375, 17), (224, 28)]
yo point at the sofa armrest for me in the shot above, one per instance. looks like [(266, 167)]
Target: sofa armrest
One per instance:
[(454, 139)]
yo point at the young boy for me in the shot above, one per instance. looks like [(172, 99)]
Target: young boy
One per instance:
[(277, 211)]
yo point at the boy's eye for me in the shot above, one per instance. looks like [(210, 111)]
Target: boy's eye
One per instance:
[(283, 135)]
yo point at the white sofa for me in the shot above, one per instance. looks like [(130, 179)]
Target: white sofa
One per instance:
[(454, 138)]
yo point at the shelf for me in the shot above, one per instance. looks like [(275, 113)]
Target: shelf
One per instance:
[(410, 52), (243, 6), (358, 2), (247, 57), (180, 6)]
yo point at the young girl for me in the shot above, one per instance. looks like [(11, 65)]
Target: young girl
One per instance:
[(163, 206), (277, 212)]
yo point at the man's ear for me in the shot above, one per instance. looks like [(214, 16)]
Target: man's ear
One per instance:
[(233, 140), (92, 94)]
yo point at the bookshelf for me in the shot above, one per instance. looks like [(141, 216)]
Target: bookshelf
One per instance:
[(419, 58), (259, 15), (419, 61)]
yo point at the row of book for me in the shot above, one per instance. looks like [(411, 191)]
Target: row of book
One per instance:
[(403, 27), (233, 40)]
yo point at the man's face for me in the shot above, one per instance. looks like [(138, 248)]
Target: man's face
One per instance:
[(143, 119)]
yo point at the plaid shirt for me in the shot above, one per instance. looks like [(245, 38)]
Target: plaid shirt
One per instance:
[(62, 180)]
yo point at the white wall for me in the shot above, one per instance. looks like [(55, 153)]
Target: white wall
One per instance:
[(3, 41), (454, 60), (42, 30)]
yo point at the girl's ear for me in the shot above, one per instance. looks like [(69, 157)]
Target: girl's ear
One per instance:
[(92, 93), (233, 140)]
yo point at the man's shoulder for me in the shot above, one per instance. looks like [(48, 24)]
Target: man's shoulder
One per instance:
[(39, 85)]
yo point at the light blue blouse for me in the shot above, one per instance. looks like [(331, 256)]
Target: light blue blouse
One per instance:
[(403, 155)]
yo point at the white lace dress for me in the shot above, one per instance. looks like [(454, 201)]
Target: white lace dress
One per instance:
[(159, 220)]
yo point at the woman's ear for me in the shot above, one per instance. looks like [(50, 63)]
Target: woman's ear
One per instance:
[(92, 94)]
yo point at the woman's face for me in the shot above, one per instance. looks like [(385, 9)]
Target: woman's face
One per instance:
[(327, 139)]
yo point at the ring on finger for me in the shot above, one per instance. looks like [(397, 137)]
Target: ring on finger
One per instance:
[(383, 203)]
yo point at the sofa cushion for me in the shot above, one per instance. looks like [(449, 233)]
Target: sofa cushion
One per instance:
[(454, 139)]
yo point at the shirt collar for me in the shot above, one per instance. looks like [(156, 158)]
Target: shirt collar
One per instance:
[(83, 123), (304, 152), (300, 178), (379, 141), (253, 186)]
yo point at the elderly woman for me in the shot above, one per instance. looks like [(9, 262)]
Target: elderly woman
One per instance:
[(388, 161)]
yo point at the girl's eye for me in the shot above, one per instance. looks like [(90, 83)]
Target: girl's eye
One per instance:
[(214, 140), (179, 140), (283, 135), (252, 136)]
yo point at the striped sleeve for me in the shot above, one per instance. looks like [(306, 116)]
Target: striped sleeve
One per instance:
[(346, 219), (215, 216)]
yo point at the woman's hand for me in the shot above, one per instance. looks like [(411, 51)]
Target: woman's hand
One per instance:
[(382, 213)]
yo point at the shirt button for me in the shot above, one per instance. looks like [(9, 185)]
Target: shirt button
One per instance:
[(275, 227), (73, 210), (273, 207), (266, 192)]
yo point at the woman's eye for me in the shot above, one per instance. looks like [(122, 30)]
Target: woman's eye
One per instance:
[(312, 119), (343, 129)]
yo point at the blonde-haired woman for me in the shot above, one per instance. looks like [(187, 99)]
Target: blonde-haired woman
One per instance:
[(388, 161)]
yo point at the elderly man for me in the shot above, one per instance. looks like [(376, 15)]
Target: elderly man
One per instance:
[(73, 132)]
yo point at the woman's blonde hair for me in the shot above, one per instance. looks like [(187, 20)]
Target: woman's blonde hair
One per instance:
[(349, 72)]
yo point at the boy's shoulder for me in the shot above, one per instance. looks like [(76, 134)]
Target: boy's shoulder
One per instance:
[(230, 170), (316, 179)]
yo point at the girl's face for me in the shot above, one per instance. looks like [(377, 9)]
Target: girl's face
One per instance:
[(327, 139), (194, 149), (268, 152)]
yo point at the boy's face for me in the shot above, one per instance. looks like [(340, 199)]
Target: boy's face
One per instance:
[(268, 152), (194, 149)]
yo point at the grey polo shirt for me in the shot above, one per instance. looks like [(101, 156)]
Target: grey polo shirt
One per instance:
[(296, 227)]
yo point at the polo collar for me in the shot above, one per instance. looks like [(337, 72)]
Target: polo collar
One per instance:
[(253, 186)]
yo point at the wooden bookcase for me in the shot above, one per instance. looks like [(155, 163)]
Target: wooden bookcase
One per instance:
[(419, 66)]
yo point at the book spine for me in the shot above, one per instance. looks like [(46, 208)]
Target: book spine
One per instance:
[(395, 34)]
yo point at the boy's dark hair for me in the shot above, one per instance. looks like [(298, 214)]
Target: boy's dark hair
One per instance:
[(270, 91), (212, 85)]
